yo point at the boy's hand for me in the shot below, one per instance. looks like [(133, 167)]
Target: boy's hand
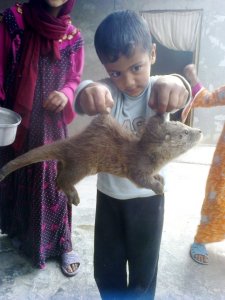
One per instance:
[(168, 94), (56, 101), (95, 98)]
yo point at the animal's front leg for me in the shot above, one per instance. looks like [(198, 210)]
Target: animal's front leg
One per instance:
[(65, 184), (149, 181), (71, 193)]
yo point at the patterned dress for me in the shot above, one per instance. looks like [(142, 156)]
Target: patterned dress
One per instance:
[(31, 208), (212, 226)]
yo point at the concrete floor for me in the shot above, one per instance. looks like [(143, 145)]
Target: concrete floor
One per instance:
[(178, 277)]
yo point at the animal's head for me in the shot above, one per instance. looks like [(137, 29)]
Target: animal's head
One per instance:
[(171, 137)]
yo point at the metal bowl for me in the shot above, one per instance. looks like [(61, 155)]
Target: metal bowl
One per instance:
[(9, 121)]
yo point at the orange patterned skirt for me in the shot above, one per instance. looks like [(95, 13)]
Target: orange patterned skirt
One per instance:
[(212, 226)]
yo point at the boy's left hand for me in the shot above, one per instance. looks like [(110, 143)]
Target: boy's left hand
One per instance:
[(56, 101), (168, 94)]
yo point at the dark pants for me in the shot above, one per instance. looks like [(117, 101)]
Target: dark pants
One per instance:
[(127, 243)]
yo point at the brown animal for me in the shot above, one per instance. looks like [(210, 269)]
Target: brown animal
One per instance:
[(104, 146)]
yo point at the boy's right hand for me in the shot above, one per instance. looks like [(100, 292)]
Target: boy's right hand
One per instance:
[(95, 98)]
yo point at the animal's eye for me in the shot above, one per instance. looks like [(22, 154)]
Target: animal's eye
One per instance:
[(167, 137), (186, 131)]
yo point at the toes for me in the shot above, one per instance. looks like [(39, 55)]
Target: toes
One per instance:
[(69, 269), (73, 267), (201, 258)]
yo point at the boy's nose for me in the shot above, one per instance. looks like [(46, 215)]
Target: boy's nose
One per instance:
[(129, 81)]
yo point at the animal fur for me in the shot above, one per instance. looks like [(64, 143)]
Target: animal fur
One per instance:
[(104, 146)]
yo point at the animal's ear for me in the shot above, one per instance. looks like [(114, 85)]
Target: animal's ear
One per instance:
[(157, 119), (154, 123), (154, 130)]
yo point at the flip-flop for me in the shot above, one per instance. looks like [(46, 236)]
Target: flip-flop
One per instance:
[(198, 249), (67, 259)]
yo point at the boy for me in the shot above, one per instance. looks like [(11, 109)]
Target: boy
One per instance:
[(129, 219)]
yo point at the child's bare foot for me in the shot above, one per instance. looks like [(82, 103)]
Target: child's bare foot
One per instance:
[(190, 74)]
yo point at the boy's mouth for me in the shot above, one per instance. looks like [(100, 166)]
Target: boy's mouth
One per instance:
[(133, 92)]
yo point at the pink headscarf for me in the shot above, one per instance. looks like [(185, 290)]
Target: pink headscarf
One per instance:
[(66, 8), (41, 36)]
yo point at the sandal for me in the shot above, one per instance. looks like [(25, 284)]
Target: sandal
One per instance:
[(69, 258), (199, 253)]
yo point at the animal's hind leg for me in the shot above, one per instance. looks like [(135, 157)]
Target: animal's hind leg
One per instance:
[(64, 183)]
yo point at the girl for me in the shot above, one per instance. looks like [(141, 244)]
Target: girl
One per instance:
[(211, 229), (41, 63)]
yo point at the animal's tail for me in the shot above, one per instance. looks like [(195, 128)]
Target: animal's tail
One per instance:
[(45, 152)]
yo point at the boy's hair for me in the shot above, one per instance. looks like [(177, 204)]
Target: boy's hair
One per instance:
[(119, 33)]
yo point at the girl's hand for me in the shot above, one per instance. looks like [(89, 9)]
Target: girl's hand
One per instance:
[(168, 94), (190, 74), (55, 102)]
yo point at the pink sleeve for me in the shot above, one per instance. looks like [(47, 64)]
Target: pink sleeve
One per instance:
[(196, 88), (5, 43), (73, 80)]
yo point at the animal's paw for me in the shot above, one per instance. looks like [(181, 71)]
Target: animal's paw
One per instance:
[(73, 199), (159, 178), (158, 188), (158, 185)]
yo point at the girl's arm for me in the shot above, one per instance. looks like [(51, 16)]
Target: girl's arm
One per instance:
[(205, 98), (5, 43), (73, 79)]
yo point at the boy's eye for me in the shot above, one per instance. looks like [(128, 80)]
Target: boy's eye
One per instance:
[(136, 68), (114, 74)]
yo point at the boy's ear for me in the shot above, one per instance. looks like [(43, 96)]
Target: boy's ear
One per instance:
[(153, 54)]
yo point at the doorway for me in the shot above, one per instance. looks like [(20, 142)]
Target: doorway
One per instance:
[(176, 34)]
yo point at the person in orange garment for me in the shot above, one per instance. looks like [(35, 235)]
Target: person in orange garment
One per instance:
[(212, 226)]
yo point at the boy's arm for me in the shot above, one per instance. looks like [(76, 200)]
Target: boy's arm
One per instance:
[(169, 93)]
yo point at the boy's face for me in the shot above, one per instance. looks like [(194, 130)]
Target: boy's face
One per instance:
[(131, 74)]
